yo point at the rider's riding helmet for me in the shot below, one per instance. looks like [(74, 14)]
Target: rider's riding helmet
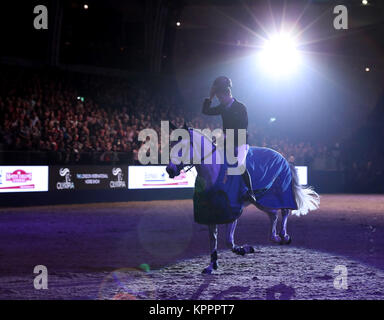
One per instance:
[(222, 83)]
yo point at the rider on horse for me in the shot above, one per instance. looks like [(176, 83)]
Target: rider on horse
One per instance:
[(234, 116)]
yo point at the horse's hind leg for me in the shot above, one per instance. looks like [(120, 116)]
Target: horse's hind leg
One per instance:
[(212, 229), (230, 236), (285, 237), (272, 213)]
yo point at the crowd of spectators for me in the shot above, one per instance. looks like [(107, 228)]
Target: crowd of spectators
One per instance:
[(62, 118), (82, 119)]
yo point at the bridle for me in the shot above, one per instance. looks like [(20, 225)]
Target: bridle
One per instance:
[(181, 166)]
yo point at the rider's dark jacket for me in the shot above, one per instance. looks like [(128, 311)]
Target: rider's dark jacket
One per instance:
[(234, 117)]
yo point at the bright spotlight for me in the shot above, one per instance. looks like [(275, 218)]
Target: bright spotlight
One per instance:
[(279, 55), (178, 23), (364, 2), (85, 7)]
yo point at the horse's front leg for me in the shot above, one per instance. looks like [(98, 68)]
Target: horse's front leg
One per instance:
[(285, 237), (230, 241), (212, 229)]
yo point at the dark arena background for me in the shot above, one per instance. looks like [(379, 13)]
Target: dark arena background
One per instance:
[(82, 218)]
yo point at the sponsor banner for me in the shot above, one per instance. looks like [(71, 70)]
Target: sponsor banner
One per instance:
[(88, 177), (155, 177), (23, 178), (302, 172)]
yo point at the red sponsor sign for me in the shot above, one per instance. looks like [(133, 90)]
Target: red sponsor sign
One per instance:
[(23, 178), (18, 176), (29, 186)]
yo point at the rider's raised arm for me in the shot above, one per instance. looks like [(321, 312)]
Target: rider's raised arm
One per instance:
[(214, 111)]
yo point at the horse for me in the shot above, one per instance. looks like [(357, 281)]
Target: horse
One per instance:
[(274, 178)]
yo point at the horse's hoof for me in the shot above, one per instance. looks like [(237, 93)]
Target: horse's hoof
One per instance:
[(239, 250), (286, 239), (243, 250), (215, 266), (251, 249), (207, 271), (275, 239)]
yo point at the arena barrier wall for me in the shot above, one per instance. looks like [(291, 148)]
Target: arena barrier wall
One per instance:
[(47, 185)]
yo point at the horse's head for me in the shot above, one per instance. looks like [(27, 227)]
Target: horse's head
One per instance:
[(174, 170), (184, 144)]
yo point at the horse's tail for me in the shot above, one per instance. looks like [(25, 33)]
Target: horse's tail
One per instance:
[(306, 198)]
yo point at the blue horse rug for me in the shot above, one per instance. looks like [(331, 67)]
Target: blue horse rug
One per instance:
[(271, 180)]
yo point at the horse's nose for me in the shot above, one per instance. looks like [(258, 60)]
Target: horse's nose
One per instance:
[(170, 172)]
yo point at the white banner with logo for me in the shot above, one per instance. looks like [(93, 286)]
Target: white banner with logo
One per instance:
[(302, 173), (23, 178), (155, 177)]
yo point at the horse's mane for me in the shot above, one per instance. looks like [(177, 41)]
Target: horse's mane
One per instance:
[(202, 134)]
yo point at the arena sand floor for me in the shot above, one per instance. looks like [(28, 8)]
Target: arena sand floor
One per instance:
[(154, 250)]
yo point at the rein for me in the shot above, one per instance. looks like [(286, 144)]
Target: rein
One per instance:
[(202, 158)]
